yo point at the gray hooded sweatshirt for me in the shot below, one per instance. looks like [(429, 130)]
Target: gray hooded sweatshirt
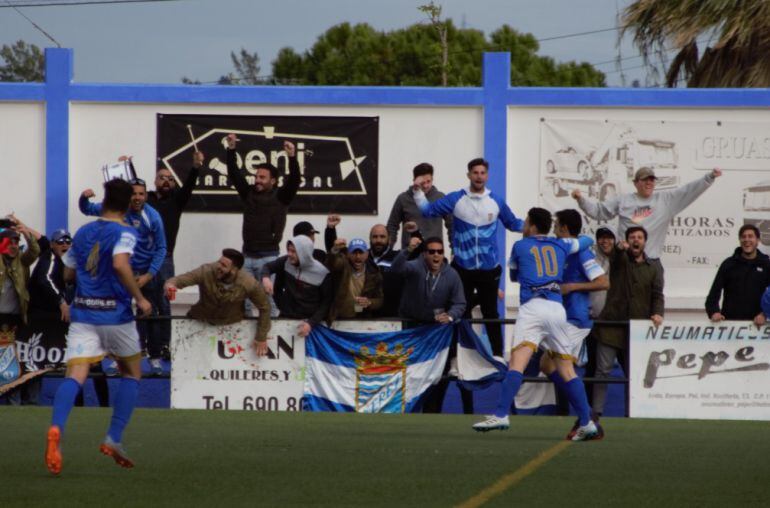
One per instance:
[(304, 291), (654, 214)]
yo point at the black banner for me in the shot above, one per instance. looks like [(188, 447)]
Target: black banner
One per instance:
[(40, 343), (338, 158)]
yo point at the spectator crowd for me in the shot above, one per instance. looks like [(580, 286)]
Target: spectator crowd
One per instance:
[(445, 263)]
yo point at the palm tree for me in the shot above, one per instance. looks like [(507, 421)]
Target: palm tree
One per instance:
[(737, 34)]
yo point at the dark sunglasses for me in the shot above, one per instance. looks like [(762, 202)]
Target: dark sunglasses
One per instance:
[(64, 241), (138, 181), (435, 251)]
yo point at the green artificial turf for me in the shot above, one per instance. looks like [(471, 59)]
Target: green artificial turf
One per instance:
[(212, 458)]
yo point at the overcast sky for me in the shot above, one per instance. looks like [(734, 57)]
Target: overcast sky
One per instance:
[(162, 41)]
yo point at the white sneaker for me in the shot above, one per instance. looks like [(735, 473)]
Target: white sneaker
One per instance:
[(587, 432), (492, 423)]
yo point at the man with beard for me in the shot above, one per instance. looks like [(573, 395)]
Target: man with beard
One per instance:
[(432, 292), (146, 261), (265, 206), (406, 211), (636, 292), (476, 212), (223, 289), (358, 289), (170, 201), (381, 255), (303, 287)]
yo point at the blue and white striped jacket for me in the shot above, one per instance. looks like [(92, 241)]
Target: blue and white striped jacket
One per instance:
[(474, 237)]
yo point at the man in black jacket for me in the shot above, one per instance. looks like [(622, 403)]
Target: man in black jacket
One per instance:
[(265, 207), (170, 201), (742, 278), (50, 298)]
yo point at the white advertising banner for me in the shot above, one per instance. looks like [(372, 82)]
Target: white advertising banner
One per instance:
[(599, 158), (700, 370), (215, 367)]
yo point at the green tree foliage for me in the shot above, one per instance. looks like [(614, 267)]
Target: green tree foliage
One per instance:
[(360, 55), (735, 35), (22, 62)]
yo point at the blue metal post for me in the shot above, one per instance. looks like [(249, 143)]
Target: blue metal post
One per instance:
[(58, 77), (496, 82)]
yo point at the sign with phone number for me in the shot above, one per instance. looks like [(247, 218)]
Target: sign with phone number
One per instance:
[(215, 367)]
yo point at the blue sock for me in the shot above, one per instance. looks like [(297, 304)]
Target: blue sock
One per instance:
[(125, 400), (63, 402), (576, 393), (511, 385), (557, 380)]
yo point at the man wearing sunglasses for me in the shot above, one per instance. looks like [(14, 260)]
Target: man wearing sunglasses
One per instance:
[(146, 261), (433, 293)]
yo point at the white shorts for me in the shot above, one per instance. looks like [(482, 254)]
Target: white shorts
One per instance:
[(544, 323), (87, 343)]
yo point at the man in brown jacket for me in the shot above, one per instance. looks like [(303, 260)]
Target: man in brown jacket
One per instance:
[(14, 274), (223, 289), (636, 292), (358, 284)]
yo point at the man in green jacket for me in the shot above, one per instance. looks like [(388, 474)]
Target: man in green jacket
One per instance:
[(636, 292)]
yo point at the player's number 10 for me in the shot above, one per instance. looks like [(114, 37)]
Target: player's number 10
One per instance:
[(545, 258)]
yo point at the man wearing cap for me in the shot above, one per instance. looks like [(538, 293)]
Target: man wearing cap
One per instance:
[(14, 297), (307, 229), (358, 284), (48, 292), (645, 207)]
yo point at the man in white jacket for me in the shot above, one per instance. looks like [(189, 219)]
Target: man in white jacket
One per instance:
[(647, 208)]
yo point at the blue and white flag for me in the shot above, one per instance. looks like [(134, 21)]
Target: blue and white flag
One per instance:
[(373, 372), (390, 372)]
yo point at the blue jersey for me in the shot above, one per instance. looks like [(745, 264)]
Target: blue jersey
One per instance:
[(580, 267), (537, 262), (151, 239), (100, 297), (474, 225)]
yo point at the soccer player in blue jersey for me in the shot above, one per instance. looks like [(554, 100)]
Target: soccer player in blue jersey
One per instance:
[(537, 263), (582, 274), (102, 320), (476, 212)]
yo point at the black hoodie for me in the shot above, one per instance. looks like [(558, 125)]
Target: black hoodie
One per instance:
[(743, 282)]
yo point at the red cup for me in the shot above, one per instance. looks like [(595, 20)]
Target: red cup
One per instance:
[(171, 294)]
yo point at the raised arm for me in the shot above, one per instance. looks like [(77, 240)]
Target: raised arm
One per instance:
[(186, 192), (236, 178), (680, 198), (438, 208), (85, 205), (290, 187), (604, 210)]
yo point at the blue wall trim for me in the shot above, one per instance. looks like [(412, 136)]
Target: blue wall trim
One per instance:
[(495, 96)]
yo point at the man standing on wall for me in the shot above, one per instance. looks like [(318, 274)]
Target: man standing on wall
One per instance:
[(476, 211), (265, 207), (647, 208), (170, 201), (405, 210)]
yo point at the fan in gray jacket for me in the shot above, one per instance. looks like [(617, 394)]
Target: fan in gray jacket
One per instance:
[(406, 210), (653, 210), (432, 289)]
